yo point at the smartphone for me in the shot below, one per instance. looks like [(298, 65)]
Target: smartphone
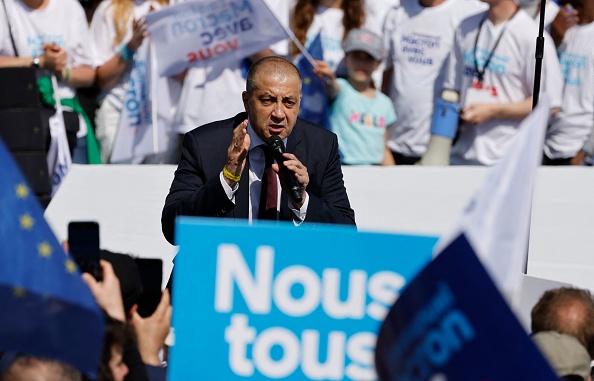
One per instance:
[(151, 276), (83, 243)]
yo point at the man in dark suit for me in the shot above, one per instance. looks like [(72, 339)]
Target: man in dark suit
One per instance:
[(222, 164)]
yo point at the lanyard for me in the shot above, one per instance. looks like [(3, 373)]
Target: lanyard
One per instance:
[(481, 73)]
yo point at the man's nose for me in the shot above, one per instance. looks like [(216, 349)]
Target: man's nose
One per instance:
[(279, 110)]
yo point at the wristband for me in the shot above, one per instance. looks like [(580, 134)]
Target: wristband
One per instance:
[(65, 74), (230, 175), (125, 53)]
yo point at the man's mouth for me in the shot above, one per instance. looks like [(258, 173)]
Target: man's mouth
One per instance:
[(275, 128)]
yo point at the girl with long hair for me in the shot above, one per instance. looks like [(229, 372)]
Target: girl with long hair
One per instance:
[(117, 30)]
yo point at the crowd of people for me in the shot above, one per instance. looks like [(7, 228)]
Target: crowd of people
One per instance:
[(482, 50), (133, 346), (411, 50)]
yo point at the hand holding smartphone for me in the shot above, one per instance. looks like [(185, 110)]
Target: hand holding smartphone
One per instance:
[(83, 242), (151, 275)]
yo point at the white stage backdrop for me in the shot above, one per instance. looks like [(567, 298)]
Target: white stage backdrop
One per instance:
[(127, 202)]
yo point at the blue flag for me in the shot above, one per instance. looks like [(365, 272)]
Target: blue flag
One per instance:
[(314, 101), (47, 310), (451, 323)]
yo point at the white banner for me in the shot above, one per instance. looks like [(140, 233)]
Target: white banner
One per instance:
[(138, 135), (205, 32), (58, 155)]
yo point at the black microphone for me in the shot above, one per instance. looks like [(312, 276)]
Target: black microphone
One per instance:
[(277, 147)]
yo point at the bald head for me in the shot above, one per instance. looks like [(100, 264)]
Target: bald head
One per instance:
[(268, 67), (566, 310), (27, 368)]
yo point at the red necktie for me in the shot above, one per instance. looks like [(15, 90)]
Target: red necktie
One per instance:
[(269, 192)]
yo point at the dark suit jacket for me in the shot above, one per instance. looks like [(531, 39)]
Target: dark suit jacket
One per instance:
[(197, 191)]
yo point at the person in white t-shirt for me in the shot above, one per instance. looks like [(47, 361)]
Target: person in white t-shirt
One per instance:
[(557, 20), (51, 35), (567, 140), (532, 7), (375, 16), (492, 66), (418, 38), (117, 30)]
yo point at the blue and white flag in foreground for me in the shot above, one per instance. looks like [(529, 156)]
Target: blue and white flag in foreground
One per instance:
[(497, 220), (209, 32), (314, 100), (452, 323), (47, 310), (144, 128)]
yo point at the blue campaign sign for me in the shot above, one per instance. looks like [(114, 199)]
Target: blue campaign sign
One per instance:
[(452, 324), (275, 301)]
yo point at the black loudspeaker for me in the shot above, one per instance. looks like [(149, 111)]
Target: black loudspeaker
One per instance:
[(19, 85), (33, 164), (24, 129)]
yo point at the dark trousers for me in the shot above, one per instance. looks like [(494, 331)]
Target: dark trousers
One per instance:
[(548, 161), (401, 159)]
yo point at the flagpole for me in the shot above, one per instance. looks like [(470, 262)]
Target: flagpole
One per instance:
[(154, 108), (536, 95), (301, 48), (539, 54)]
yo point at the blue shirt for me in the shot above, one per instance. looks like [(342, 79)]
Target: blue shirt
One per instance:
[(360, 124)]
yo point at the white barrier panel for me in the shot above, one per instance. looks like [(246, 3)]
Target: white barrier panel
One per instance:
[(127, 202)]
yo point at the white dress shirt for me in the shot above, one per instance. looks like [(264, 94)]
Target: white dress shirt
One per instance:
[(257, 163)]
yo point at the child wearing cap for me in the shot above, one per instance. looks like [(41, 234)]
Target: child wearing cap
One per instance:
[(359, 114)]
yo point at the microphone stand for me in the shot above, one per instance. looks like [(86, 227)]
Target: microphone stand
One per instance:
[(535, 94), (539, 54)]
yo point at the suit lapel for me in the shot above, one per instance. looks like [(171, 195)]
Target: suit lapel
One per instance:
[(294, 145)]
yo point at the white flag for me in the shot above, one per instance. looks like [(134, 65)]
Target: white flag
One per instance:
[(497, 220), (205, 32), (145, 121), (58, 155)]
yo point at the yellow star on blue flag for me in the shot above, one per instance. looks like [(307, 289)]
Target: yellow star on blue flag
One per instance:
[(47, 310), (44, 249)]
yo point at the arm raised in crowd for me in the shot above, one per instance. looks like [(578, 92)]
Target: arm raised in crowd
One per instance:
[(107, 293), (152, 331), (325, 72), (110, 72)]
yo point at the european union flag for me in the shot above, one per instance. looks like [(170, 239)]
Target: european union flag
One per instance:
[(47, 310), (314, 101)]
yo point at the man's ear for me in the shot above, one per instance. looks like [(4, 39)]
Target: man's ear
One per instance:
[(245, 96)]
